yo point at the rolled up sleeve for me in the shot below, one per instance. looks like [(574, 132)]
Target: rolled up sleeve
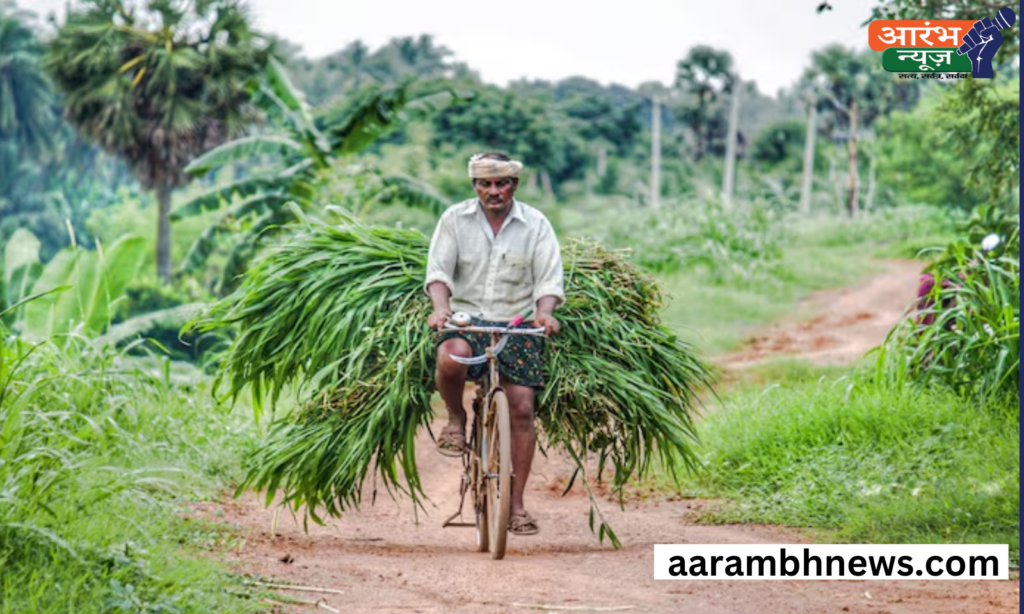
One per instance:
[(547, 266), (443, 254)]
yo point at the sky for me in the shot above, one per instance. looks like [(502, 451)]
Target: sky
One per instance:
[(620, 42)]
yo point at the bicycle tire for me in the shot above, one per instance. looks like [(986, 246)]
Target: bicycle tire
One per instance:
[(479, 494), (498, 468)]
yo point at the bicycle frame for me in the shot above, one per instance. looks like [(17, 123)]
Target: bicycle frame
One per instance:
[(474, 476)]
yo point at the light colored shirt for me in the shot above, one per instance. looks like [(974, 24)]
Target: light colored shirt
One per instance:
[(495, 277)]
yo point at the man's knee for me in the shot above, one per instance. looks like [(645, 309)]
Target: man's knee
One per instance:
[(521, 404), (457, 347)]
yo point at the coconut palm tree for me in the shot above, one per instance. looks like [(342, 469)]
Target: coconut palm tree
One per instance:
[(157, 83)]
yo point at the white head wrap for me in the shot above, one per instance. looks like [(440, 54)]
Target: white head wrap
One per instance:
[(480, 167)]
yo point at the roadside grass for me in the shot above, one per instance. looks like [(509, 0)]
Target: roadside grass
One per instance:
[(869, 462), (718, 316), (770, 371), (818, 253), (130, 557), (100, 452)]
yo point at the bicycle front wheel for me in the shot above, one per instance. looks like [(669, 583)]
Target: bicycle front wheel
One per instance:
[(478, 483), (498, 471)]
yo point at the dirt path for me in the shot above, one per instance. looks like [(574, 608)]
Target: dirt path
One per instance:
[(836, 327), (385, 562)]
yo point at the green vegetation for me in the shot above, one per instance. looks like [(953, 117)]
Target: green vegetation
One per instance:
[(920, 443), (99, 451), (304, 153), (727, 271), (179, 81), (93, 279), (967, 336), (49, 178), (874, 462)]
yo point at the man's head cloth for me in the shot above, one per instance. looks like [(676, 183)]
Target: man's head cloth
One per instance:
[(482, 166)]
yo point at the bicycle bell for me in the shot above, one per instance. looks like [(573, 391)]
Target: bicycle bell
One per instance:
[(461, 318)]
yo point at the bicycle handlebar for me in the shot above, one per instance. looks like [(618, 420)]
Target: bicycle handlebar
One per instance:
[(504, 331), (501, 330)]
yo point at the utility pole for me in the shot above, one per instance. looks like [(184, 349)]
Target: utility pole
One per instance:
[(852, 196), (730, 143), (805, 188), (869, 197), (655, 151)]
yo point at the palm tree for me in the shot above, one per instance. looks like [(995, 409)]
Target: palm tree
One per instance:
[(302, 149), (703, 78), (26, 100), (28, 124), (852, 92), (156, 84)]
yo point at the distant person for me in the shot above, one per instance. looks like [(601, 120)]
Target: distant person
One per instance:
[(926, 285), (494, 257), (925, 302)]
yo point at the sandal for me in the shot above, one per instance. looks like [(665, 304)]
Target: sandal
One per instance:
[(523, 525), (452, 442)]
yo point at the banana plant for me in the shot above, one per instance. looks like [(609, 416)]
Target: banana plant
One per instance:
[(301, 150), (76, 291), (19, 269), (93, 280)]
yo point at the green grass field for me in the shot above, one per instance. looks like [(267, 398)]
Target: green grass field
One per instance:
[(872, 462), (718, 316)]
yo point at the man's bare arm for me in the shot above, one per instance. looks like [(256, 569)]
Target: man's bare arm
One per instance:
[(545, 308), (440, 297)]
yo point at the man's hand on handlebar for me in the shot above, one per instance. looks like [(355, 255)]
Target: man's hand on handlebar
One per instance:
[(437, 319), (547, 322)]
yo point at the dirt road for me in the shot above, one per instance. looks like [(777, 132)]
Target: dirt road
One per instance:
[(836, 327), (385, 562)]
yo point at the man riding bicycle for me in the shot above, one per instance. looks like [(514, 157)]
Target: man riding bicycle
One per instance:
[(494, 258)]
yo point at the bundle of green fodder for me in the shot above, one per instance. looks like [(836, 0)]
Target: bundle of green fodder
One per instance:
[(339, 312)]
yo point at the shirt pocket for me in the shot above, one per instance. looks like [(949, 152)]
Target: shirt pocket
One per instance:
[(515, 269)]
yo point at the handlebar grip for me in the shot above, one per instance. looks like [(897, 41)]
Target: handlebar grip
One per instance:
[(519, 319)]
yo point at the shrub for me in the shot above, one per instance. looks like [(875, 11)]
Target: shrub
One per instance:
[(966, 334)]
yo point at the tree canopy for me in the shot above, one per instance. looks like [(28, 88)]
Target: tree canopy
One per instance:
[(156, 85)]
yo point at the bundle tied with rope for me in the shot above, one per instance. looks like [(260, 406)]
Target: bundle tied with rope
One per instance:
[(338, 314)]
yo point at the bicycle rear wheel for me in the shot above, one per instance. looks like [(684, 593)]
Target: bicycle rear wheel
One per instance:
[(498, 471)]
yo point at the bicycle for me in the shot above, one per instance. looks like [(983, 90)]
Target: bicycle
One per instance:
[(487, 461)]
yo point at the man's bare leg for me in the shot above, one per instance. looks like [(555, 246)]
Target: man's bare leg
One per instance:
[(450, 379), (521, 400)]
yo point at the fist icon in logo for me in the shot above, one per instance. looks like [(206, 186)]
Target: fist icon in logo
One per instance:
[(983, 40)]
